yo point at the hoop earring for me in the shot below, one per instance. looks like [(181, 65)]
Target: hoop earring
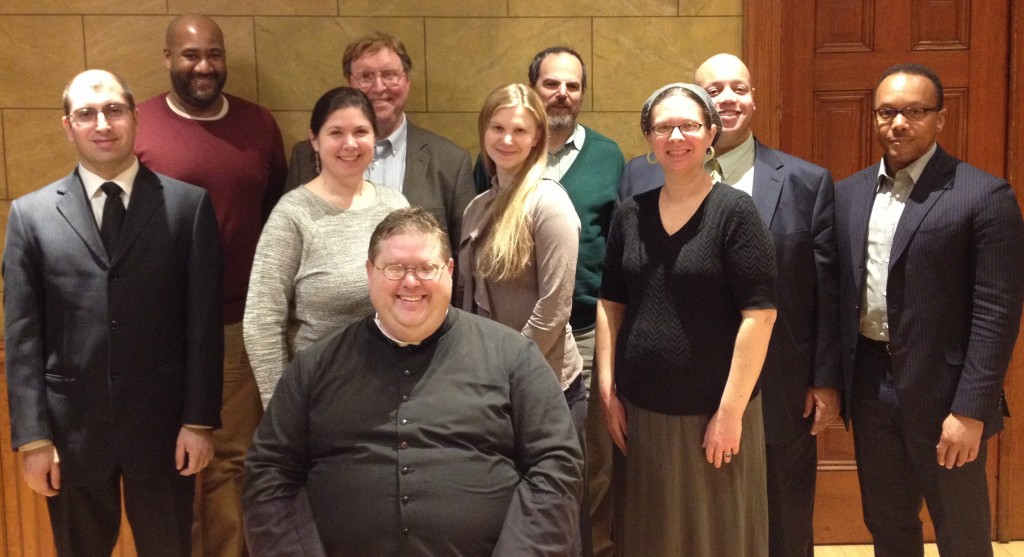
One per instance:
[(650, 158), (316, 162), (711, 152)]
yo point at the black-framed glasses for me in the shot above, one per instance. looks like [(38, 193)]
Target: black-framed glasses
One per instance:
[(911, 113), (88, 116), (390, 78), (685, 127), (395, 271)]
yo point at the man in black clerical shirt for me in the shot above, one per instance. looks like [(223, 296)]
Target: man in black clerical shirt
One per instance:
[(420, 430)]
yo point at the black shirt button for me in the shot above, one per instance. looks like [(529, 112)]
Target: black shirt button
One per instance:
[(403, 445), (405, 470), (407, 373), (405, 398), (405, 531)]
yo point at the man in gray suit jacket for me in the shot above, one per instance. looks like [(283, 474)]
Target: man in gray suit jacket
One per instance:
[(801, 374), (931, 255), (113, 335), (429, 170)]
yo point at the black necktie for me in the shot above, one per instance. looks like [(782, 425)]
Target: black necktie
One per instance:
[(113, 216)]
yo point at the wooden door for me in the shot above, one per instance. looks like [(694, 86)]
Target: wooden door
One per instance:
[(832, 53)]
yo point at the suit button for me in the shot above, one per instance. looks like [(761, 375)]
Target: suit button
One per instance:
[(405, 470), (405, 531), (403, 445), (114, 325), (405, 499)]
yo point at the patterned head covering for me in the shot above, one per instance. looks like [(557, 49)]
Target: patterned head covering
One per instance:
[(694, 92)]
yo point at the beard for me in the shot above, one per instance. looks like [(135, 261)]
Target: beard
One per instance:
[(183, 87), (561, 118)]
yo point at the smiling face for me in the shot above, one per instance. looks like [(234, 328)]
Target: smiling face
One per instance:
[(388, 100), (510, 135), (196, 60), (679, 152), (410, 309), (104, 147), (345, 143), (726, 78), (905, 141)]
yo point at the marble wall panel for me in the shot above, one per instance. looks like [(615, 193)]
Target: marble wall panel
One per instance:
[(526, 8), (136, 52), (635, 56), (294, 126), (459, 127), (468, 58), (83, 7), (3, 163), (710, 7), (36, 149), (432, 8), (254, 7), (40, 55), (300, 58), (623, 127)]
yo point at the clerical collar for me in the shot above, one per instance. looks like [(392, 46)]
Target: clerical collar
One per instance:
[(223, 111), (403, 344)]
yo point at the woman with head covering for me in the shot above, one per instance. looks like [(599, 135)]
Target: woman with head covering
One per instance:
[(683, 321), (520, 239), (309, 276)]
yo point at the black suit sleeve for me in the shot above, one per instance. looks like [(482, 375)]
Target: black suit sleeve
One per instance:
[(827, 367), (998, 291), (204, 371), (23, 332)]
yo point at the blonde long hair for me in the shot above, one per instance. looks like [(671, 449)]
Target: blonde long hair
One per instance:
[(508, 247)]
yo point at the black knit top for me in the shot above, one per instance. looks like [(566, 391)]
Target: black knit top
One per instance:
[(683, 295)]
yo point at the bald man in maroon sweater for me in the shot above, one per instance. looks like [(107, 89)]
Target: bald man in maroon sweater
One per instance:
[(232, 148)]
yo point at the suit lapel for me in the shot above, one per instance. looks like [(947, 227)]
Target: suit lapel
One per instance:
[(77, 211), (147, 195), (934, 181), (860, 212), (767, 185), (417, 161)]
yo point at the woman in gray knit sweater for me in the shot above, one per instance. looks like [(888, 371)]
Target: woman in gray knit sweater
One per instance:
[(309, 276)]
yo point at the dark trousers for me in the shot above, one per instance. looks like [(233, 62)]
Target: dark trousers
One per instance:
[(576, 397), (792, 472), (86, 519), (898, 470)]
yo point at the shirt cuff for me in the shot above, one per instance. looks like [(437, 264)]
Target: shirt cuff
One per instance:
[(38, 444)]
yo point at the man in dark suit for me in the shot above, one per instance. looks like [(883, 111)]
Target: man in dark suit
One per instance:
[(801, 374), (429, 170), (113, 335), (931, 253)]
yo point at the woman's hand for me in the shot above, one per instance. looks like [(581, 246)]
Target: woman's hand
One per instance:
[(722, 437), (615, 421)]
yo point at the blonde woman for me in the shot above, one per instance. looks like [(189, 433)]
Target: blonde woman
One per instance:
[(520, 238)]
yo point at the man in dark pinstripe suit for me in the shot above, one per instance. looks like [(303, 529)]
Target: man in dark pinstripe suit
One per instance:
[(931, 253)]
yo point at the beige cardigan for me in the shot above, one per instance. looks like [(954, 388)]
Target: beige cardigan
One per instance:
[(537, 302)]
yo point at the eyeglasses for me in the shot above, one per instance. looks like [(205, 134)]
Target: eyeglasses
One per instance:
[(912, 113), (426, 271), (685, 127), (113, 112), (389, 77)]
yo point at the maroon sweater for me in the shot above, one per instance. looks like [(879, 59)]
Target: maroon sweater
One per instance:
[(239, 159)]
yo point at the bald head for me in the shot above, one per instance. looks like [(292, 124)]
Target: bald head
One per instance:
[(195, 57), (727, 79), (192, 24)]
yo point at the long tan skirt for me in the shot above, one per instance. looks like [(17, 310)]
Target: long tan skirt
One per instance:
[(674, 504)]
